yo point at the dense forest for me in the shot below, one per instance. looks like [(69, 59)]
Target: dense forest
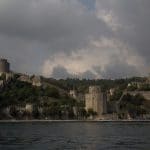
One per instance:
[(106, 84)]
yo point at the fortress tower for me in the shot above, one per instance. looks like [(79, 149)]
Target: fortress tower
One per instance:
[(4, 66), (96, 100)]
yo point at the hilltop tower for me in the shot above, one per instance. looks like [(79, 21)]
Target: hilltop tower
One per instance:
[(96, 100), (4, 66)]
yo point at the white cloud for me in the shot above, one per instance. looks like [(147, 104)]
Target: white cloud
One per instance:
[(99, 53)]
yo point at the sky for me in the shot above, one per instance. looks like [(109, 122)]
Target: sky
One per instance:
[(76, 38)]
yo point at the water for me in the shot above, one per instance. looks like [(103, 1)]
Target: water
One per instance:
[(75, 136)]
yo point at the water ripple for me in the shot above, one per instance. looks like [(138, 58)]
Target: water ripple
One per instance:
[(74, 136)]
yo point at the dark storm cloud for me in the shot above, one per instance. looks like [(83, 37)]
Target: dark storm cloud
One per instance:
[(88, 75), (90, 4), (24, 56), (117, 69), (134, 19), (139, 35), (32, 32), (55, 23), (61, 72)]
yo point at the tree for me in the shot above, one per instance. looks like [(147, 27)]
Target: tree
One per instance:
[(91, 112), (35, 112), (133, 105), (116, 96), (3, 76), (52, 92), (82, 113)]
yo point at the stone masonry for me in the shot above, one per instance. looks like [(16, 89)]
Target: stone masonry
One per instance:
[(96, 100)]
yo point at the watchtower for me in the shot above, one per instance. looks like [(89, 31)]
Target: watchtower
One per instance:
[(4, 66), (96, 100)]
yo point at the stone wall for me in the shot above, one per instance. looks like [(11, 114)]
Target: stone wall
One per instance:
[(96, 100), (35, 81)]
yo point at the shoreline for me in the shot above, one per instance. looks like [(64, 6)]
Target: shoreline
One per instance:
[(17, 121)]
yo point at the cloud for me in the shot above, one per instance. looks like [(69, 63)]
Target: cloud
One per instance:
[(131, 21), (62, 25), (33, 31), (107, 55), (60, 72), (117, 69), (60, 38)]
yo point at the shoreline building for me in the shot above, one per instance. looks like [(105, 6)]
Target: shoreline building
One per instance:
[(96, 100), (4, 66)]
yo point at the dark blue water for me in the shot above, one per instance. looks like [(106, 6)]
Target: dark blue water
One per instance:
[(75, 136)]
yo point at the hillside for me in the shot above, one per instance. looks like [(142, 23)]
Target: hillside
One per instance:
[(32, 97), (15, 95)]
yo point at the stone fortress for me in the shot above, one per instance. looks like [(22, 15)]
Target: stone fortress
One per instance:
[(96, 100), (5, 69), (100, 103)]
